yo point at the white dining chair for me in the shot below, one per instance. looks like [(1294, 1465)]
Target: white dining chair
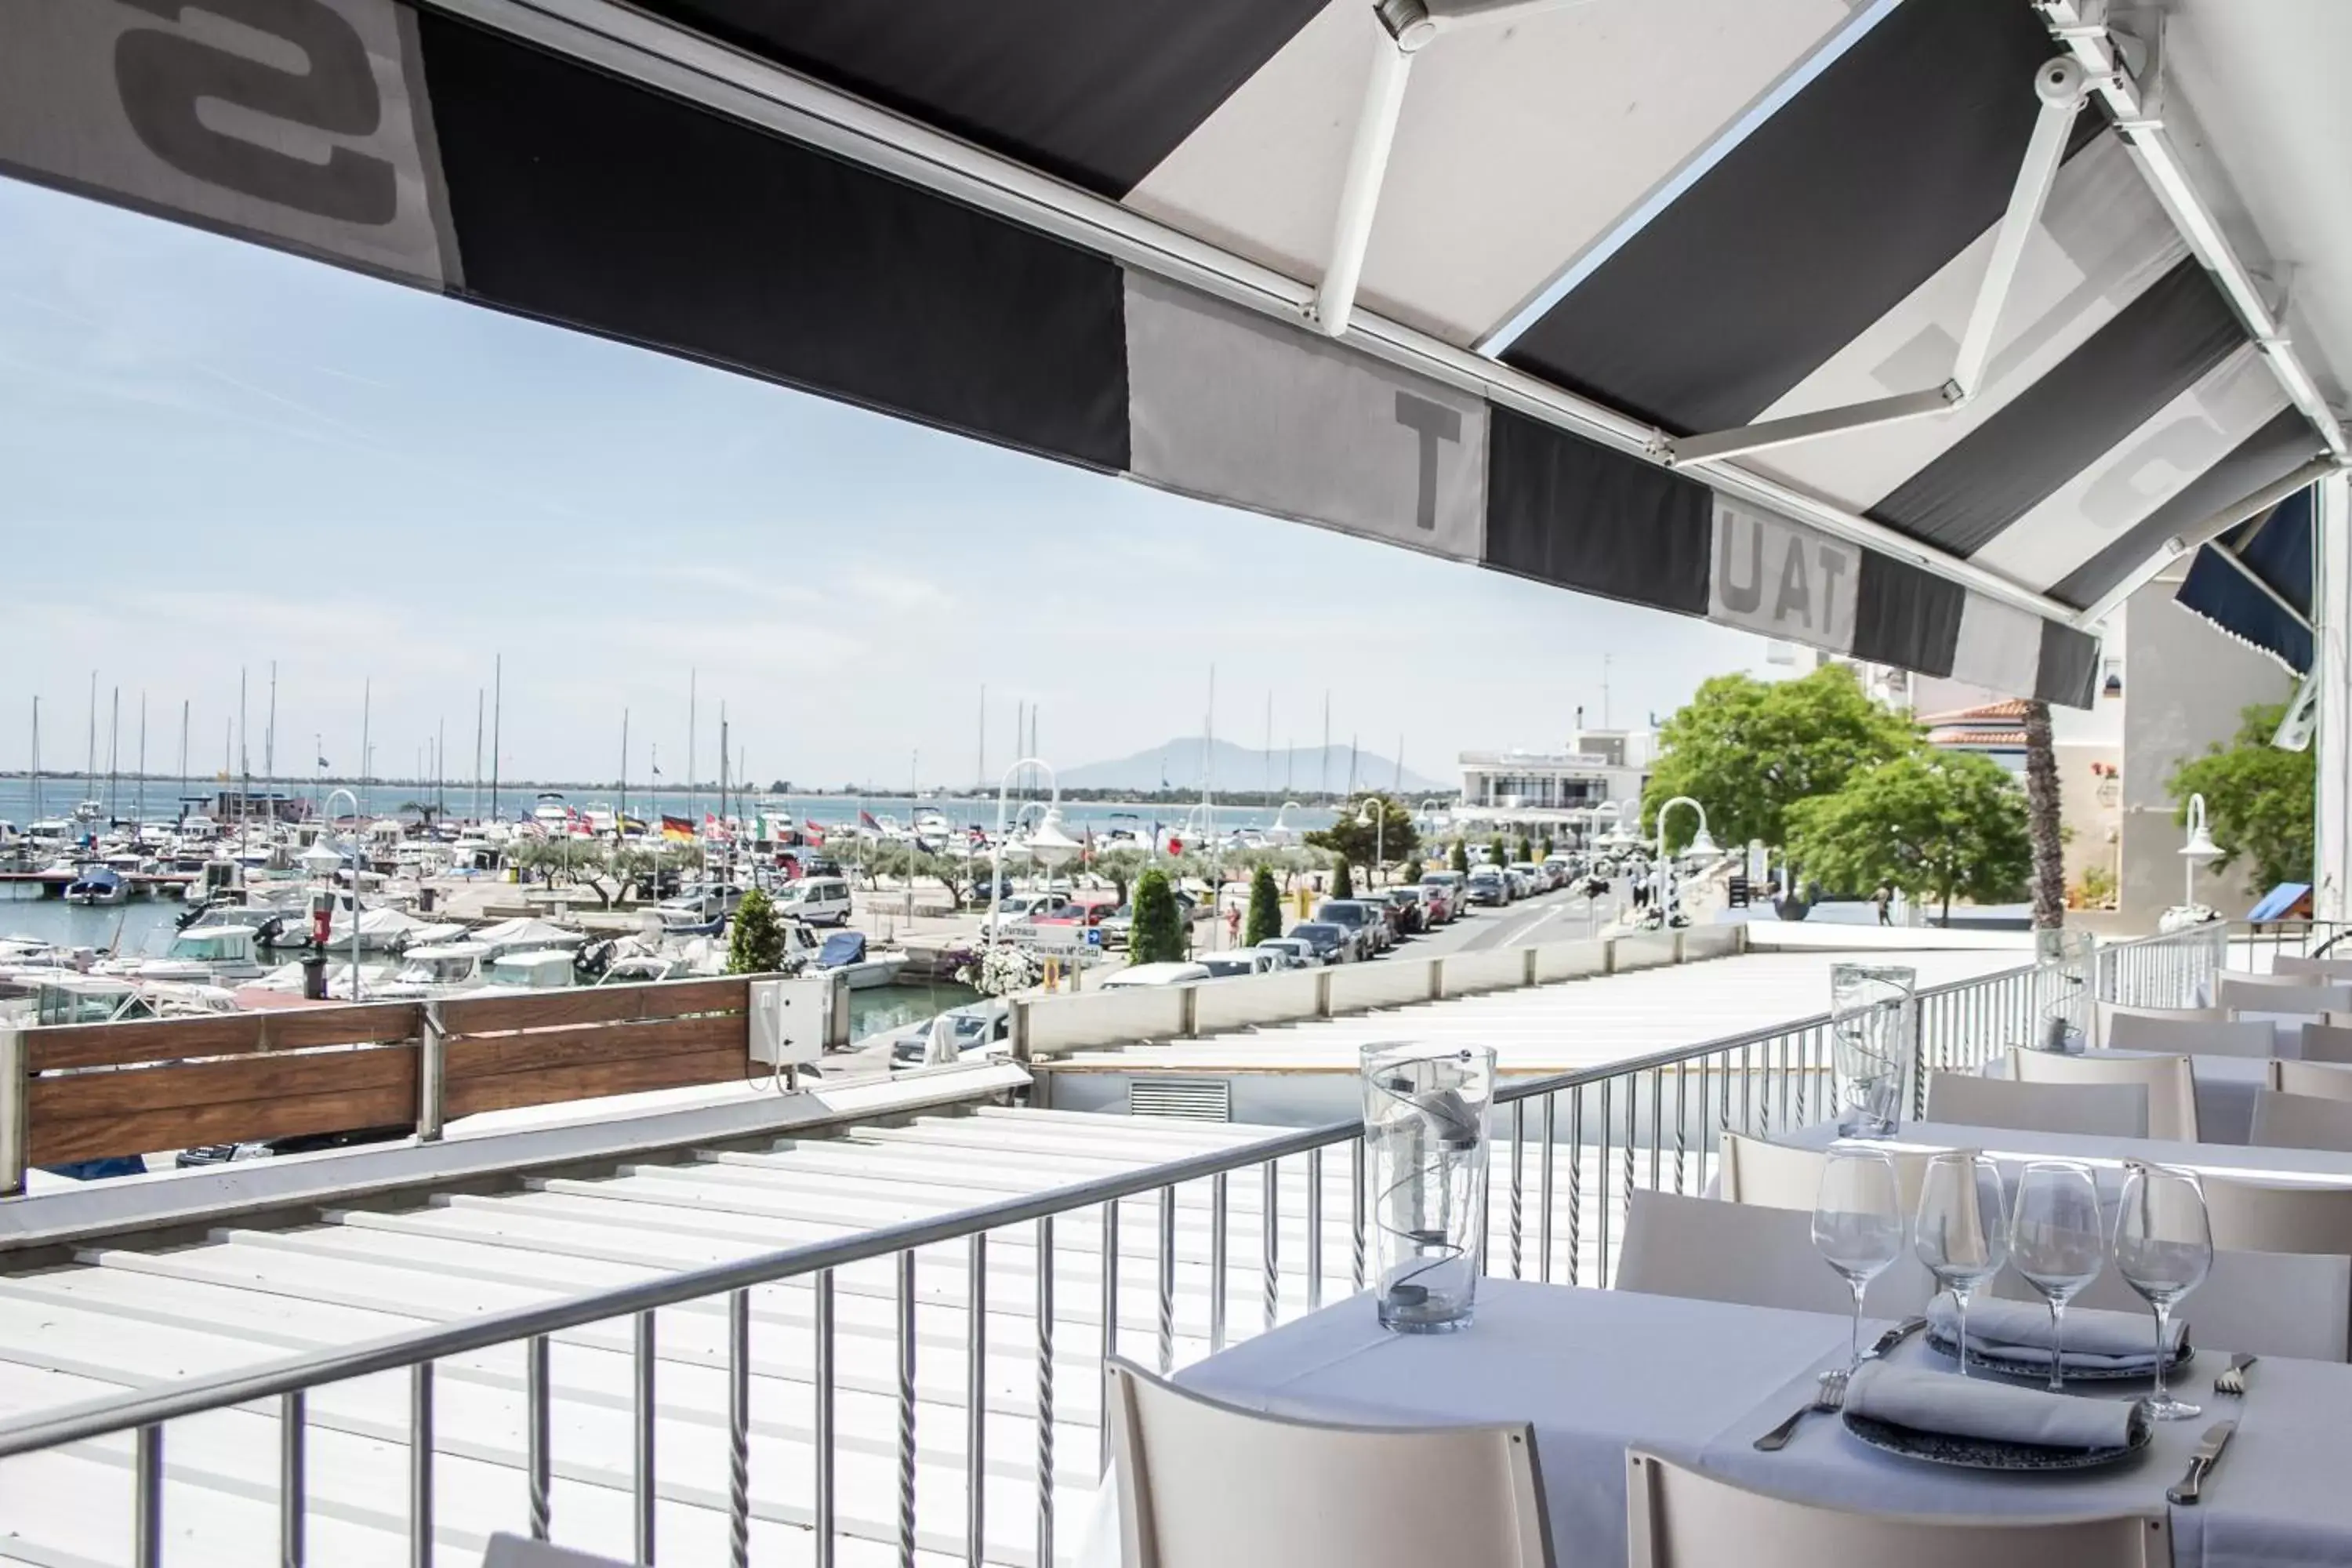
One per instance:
[(2109, 1014), (1678, 1518), (2100, 1110), (2283, 993), (2327, 971), (1204, 1484), (1775, 1176), (2302, 1121), (2319, 1081), (514, 1551), (1708, 1250), (2268, 1303), (2192, 1037), (2328, 1042), (2171, 1090), (2254, 1216)]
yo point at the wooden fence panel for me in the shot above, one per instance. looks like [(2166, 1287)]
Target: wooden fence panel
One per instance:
[(591, 1005), (219, 1035), (82, 1116)]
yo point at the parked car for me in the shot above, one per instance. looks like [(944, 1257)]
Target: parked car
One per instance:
[(1359, 919), (1328, 940), (1455, 885), (1240, 961), (1488, 886), (1289, 951), (1028, 907), (1154, 974), (819, 900), (1412, 914), (1538, 880), (980, 1031), (1438, 903)]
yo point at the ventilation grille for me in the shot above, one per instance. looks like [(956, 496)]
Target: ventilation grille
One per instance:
[(1181, 1099)]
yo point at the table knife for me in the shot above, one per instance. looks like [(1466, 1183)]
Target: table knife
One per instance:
[(2200, 1463), (1894, 1336)]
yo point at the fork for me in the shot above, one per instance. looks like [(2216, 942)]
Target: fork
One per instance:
[(1830, 1396), (2233, 1377)]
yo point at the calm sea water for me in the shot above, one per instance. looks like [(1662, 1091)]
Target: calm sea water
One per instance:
[(160, 803)]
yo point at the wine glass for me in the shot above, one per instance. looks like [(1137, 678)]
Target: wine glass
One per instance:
[(1858, 1221), (1961, 1236), (2057, 1242), (2164, 1248)]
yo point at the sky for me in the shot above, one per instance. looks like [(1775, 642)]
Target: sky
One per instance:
[(218, 456)]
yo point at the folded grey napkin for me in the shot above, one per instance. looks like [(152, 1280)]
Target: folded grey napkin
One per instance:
[(1955, 1406), (2019, 1331)]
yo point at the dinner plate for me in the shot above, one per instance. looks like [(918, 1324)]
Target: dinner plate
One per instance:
[(1980, 1362), (1984, 1453)]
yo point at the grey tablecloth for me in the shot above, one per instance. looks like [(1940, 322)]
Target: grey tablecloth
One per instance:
[(1698, 1381), (2225, 1091)]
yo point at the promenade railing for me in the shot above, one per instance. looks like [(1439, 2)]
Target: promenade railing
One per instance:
[(1287, 1232)]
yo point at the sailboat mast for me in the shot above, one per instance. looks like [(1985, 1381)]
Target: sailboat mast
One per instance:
[(113, 750), (140, 810), (497, 717), (477, 754), (689, 750), (90, 768), (36, 759), (622, 812), (183, 753)]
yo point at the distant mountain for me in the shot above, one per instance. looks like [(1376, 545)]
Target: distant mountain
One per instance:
[(1306, 768)]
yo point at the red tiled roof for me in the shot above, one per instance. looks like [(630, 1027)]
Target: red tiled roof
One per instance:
[(1976, 737), (2010, 707)]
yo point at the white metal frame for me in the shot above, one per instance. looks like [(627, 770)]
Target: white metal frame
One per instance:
[(2061, 87), (699, 71), (2209, 528), (2080, 27)]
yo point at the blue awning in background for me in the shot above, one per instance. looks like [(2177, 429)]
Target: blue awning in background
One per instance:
[(2255, 582)]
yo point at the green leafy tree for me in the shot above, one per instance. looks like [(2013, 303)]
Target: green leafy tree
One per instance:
[(1748, 751), (1459, 858), (756, 944), (1265, 921), (1389, 833), (2257, 799), (1343, 880), (1158, 935), (1937, 825), (1527, 850), (1498, 853), (1118, 867)]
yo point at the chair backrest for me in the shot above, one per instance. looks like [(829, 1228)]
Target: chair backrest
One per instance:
[(2104, 1110), (2328, 1042), (2319, 1081), (2284, 994), (1676, 1518), (1203, 1484), (2271, 1303), (2301, 1121), (2172, 1091), (2330, 970), (2110, 1013), (2192, 1037), (1774, 1176), (514, 1551), (1708, 1250), (2251, 1217)]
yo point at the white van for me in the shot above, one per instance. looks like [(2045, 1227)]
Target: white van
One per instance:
[(818, 900), (1154, 974)]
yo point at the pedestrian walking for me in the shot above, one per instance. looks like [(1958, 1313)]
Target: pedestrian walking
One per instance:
[(1883, 897)]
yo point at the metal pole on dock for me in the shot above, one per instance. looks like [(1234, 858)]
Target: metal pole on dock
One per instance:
[(689, 751)]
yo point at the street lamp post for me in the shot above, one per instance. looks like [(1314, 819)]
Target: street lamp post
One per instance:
[(996, 848), (1702, 843), (1374, 814), (355, 882), (2198, 848)]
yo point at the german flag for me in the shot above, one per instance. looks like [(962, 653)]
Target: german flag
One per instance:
[(677, 829)]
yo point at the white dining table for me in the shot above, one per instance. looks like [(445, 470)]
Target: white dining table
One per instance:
[(1696, 1381), (2225, 1088), (2012, 1148)]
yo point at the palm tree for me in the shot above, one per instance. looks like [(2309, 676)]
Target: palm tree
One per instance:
[(2041, 820)]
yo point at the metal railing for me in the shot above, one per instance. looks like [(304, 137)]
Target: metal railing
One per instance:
[(2252, 942), (1578, 1145)]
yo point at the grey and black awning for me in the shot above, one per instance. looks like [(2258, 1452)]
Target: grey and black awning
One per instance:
[(1610, 251)]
